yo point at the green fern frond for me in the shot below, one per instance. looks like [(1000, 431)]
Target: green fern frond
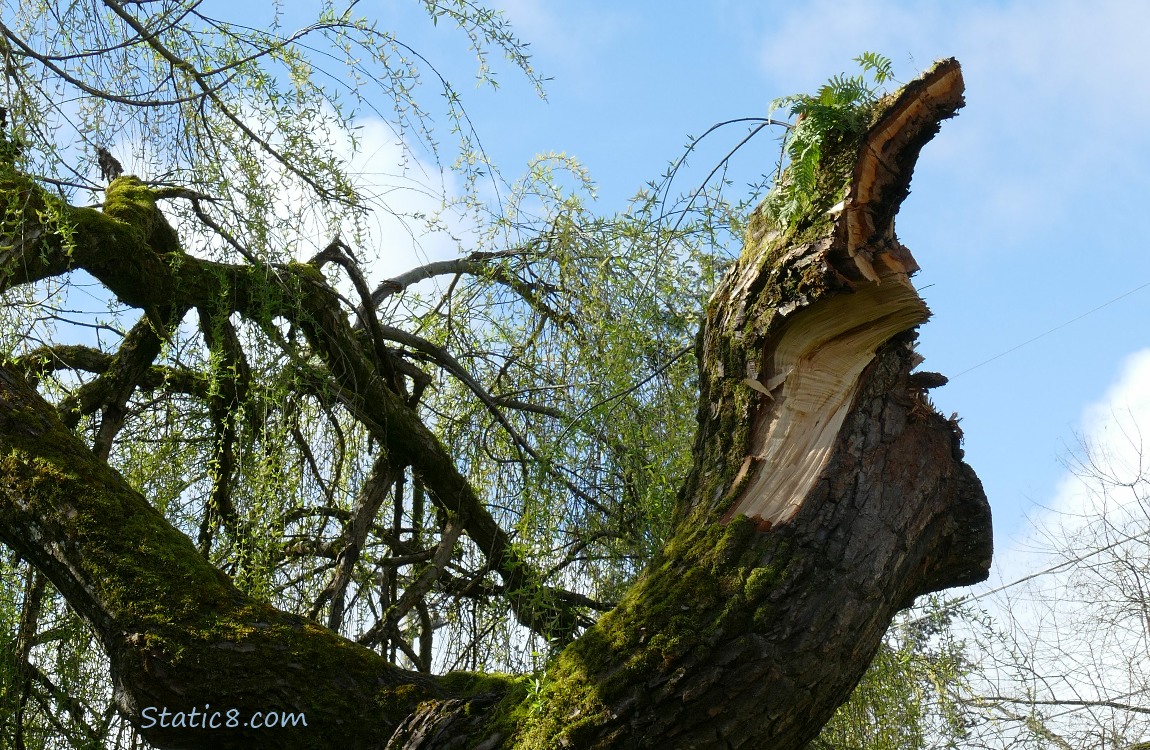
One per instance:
[(879, 65), (837, 113)]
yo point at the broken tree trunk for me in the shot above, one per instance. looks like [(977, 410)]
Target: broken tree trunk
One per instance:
[(827, 492)]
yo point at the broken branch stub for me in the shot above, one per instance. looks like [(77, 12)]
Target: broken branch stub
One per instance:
[(794, 327)]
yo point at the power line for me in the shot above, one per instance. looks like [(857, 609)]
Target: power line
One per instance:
[(1066, 563), (1052, 330), (1030, 577)]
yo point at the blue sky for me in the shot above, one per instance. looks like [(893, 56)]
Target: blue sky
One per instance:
[(1026, 211)]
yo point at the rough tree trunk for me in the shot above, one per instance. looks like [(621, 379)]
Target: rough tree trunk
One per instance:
[(827, 492), (826, 495)]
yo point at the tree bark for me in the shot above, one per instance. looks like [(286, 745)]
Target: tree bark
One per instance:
[(826, 494)]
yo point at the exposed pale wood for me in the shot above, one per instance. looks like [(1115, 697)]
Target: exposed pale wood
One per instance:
[(825, 349)]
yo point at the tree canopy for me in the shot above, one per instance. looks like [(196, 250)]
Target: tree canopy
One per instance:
[(285, 456), (548, 361)]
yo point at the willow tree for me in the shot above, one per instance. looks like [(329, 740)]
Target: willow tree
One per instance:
[(271, 483)]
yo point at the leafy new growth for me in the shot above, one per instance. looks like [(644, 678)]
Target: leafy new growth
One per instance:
[(825, 124)]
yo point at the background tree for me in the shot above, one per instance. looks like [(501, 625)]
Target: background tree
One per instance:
[(1065, 664), (917, 693), (456, 476), (263, 473)]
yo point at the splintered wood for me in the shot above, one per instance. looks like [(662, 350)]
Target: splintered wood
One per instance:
[(820, 354), (816, 349)]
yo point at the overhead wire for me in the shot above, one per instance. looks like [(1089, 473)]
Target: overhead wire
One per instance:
[(1031, 576), (1054, 329), (1065, 563)]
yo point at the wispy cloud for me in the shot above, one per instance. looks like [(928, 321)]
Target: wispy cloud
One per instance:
[(1077, 631), (1114, 444)]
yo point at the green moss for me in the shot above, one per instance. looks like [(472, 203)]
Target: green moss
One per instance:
[(702, 589), (760, 581), (398, 699), (130, 201), (23, 202), (169, 607), (468, 684), (307, 270)]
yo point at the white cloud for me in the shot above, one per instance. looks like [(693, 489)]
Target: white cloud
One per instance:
[(410, 218), (1079, 632), (403, 188), (1049, 50), (812, 39), (1115, 440), (568, 33)]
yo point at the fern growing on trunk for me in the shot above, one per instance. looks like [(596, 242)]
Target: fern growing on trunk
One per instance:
[(825, 123)]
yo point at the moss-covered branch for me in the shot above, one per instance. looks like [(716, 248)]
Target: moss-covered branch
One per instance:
[(178, 632), (130, 247)]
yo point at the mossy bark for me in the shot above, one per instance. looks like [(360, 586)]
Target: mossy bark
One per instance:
[(826, 494), (178, 633), (130, 247)]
